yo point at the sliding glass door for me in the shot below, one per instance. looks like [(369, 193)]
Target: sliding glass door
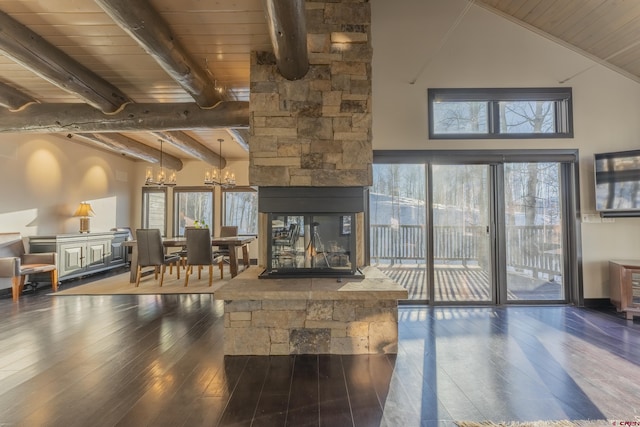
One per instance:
[(474, 232), (398, 226), (533, 218), (462, 252)]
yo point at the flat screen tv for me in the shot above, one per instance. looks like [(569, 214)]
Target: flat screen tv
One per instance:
[(618, 182)]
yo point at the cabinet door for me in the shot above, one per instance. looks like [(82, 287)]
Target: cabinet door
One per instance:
[(98, 254), (71, 258), (635, 288), (118, 252)]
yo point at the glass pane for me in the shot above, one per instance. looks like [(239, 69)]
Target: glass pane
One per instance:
[(154, 209), (241, 210), (462, 251), (193, 209), (398, 224), (533, 220), (460, 117), (287, 244), (527, 117), (312, 242)]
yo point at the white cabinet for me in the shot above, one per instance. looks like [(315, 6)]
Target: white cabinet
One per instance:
[(82, 254)]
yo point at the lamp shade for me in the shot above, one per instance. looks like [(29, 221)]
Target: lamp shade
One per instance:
[(84, 210)]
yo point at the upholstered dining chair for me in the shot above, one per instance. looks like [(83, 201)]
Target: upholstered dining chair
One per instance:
[(226, 231), (182, 253), (151, 253), (200, 253)]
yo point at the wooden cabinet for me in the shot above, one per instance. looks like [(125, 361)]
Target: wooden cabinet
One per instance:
[(82, 254), (624, 279)]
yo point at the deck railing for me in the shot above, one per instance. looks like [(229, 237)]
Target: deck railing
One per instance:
[(465, 244)]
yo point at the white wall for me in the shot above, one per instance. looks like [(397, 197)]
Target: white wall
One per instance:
[(45, 177), (412, 52)]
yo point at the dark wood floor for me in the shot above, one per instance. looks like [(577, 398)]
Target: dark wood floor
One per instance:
[(157, 360)]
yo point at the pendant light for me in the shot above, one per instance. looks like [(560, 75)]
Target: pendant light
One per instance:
[(161, 178), (214, 176)]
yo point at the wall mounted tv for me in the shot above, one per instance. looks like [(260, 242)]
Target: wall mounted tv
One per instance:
[(618, 183)]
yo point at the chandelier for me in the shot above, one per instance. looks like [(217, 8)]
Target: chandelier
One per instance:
[(214, 176), (161, 178)]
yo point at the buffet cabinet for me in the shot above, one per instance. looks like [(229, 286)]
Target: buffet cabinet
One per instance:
[(624, 279), (83, 254)]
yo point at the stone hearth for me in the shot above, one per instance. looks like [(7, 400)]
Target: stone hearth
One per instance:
[(310, 315)]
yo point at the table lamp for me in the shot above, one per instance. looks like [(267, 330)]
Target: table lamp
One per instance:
[(84, 211)]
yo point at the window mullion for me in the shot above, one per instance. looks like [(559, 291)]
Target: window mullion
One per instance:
[(494, 117)]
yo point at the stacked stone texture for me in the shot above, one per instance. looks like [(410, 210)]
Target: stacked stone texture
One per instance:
[(316, 131), (270, 327)]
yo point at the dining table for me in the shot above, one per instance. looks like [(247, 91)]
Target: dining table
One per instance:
[(233, 242)]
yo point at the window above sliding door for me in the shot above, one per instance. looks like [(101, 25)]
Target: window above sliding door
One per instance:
[(500, 113)]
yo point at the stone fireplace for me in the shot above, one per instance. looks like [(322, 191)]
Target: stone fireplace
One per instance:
[(310, 156), (310, 144)]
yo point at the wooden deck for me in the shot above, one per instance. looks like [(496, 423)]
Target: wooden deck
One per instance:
[(463, 284)]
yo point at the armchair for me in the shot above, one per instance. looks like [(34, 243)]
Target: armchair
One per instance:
[(15, 264)]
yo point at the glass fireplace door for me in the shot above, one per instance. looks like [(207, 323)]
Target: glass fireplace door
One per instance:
[(311, 243)]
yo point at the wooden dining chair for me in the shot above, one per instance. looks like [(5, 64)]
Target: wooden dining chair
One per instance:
[(151, 254), (200, 254)]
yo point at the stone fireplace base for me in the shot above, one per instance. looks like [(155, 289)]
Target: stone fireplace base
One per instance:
[(310, 315)]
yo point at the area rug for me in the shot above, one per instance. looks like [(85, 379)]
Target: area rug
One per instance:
[(119, 285), (562, 423)]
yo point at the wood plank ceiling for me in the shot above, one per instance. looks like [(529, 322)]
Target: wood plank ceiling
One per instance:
[(218, 36), (607, 31)]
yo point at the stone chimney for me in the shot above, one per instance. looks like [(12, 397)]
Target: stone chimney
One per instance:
[(316, 131)]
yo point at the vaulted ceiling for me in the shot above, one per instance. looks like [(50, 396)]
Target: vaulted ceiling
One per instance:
[(607, 31), (134, 65)]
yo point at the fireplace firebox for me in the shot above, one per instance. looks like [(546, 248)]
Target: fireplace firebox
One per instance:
[(311, 232)]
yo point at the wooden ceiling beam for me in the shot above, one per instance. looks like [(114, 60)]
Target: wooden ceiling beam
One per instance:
[(192, 147), (74, 118), (128, 146), (16, 100), (33, 52), (13, 99), (241, 136), (145, 25), (288, 31)]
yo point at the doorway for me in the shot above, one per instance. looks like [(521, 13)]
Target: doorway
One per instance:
[(496, 230)]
